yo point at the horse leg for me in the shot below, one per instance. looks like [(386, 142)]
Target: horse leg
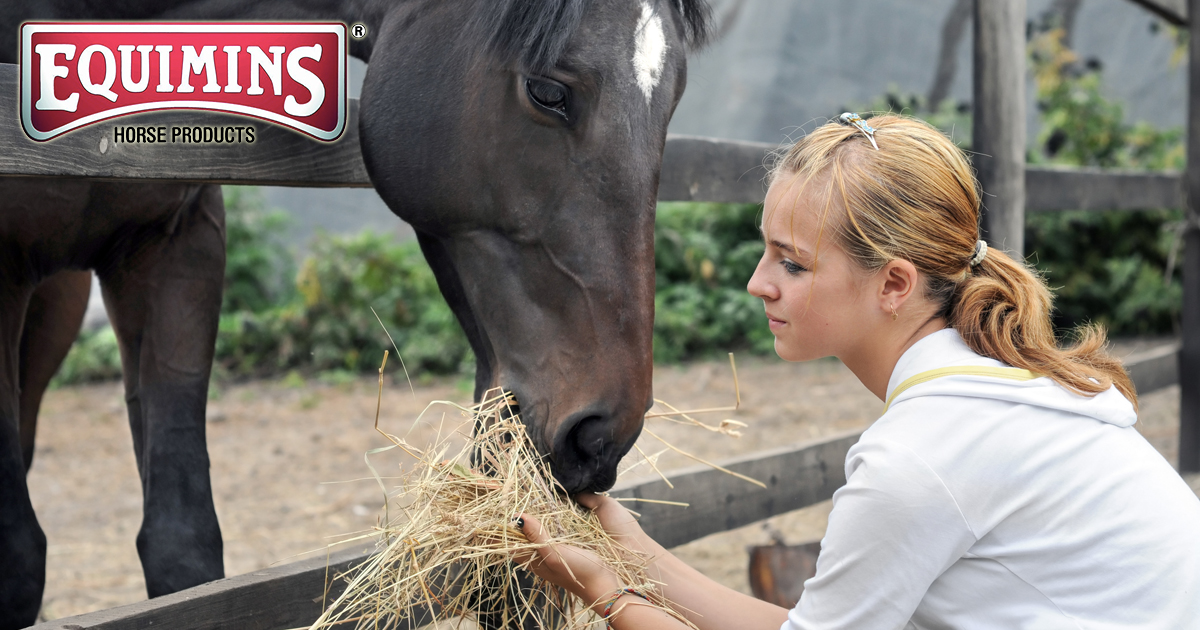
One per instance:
[(52, 322), (22, 542), (164, 299)]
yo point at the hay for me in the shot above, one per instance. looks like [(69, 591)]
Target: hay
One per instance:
[(447, 553), (449, 550)]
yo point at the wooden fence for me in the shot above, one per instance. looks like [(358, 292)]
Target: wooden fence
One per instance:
[(694, 169)]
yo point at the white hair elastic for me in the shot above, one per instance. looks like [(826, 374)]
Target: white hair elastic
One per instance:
[(980, 252)]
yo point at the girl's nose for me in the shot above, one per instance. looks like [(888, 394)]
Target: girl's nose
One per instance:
[(759, 286)]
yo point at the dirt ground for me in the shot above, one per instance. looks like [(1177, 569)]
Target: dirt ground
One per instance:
[(289, 475)]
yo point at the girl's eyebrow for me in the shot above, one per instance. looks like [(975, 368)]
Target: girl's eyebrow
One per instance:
[(788, 247)]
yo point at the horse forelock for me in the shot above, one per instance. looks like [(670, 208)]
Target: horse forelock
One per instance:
[(537, 32)]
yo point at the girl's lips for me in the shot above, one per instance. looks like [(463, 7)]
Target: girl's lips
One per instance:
[(775, 324)]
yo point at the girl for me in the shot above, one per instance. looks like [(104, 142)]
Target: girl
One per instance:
[(1003, 487)]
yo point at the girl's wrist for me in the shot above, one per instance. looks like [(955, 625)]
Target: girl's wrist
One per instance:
[(610, 604), (596, 595)]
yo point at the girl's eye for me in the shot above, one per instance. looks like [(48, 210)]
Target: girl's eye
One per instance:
[(792, 268)]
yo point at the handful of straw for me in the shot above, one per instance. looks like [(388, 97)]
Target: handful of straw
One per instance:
[(448, 553)]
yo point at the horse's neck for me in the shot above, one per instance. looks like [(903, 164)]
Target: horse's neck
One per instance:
[(369, 12)]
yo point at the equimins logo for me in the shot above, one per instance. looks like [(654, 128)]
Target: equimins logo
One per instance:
[(77, 73)]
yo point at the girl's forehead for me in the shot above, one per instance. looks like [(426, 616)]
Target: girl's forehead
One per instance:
[(787, 211)]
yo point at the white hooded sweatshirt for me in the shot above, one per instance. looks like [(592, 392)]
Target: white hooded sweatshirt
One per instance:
[(982, 502)]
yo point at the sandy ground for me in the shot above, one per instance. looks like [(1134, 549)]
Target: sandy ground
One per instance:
[(289, 475)]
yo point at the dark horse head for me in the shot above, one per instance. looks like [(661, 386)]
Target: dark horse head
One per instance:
[(526, 156)]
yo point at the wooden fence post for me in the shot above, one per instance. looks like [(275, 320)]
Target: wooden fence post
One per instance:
[(998, 136), (1189, 356)]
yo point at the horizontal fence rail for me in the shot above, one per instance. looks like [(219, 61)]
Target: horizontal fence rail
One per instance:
[(798, 476), (693, 169), (291, 595)]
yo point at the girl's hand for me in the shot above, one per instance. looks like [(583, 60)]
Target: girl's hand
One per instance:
[(621, 525), (581, 572)]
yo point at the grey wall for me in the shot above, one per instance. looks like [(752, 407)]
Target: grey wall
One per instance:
[(785, 64)]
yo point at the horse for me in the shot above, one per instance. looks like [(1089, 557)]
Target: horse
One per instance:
[(521, 139)]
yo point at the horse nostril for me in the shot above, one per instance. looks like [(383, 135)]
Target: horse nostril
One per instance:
[(592, 436), (586, 453)]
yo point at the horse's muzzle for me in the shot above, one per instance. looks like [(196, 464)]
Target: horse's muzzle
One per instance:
[(587, 448)]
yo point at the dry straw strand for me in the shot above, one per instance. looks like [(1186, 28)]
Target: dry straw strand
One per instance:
[(447, 553)]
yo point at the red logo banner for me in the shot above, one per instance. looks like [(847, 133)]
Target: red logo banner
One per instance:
[(78, 73)]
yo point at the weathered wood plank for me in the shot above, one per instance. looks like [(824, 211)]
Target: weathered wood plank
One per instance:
[(796, 477), (1155, 368), (707, 169), (1173, 11), (278, 156), (1189, 356), (998, 133), (694, 168), (286, 596), (1050, 188)]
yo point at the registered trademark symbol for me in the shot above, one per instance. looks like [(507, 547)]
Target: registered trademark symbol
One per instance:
[(358, 30)]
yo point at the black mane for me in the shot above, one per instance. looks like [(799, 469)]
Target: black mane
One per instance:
[(536, 32)]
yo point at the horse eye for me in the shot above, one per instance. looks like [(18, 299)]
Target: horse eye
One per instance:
[(551, 95)]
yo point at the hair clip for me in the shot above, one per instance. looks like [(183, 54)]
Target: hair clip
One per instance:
[(856, 121)]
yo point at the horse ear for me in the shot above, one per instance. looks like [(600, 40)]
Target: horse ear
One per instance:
[(697, 21)]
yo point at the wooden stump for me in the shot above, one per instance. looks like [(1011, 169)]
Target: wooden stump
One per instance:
[(778, 572)]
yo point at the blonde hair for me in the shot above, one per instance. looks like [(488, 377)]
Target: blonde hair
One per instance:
[(916, 199)]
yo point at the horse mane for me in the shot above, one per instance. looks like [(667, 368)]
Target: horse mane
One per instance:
[(536, 32)]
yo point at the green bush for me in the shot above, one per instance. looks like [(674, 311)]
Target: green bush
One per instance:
[(704, 255), (1109, 268), (258, 267), (1114, 268), (95, 356), (329, 323)]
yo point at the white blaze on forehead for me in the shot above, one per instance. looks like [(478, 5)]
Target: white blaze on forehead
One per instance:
[(651, 51)]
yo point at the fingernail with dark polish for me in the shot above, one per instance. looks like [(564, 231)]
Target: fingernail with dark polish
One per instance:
[(520, 523)]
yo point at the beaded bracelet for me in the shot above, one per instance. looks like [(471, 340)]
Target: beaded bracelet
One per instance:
[(617, 595)]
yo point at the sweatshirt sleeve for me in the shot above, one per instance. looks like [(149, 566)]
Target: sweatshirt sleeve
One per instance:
[(893, 530)]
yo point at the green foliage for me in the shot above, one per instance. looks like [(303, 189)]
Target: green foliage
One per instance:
[(1105, 267), (258, 267), (1080, 126), (704, 254), (95, 356), (1111, 268), (329, 324), (1114, 268)]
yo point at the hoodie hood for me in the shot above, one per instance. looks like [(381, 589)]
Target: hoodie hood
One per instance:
[(946, 348)]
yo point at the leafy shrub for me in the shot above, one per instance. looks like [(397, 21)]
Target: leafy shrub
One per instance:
[(258, 267), (1115, 268), (329, 323), (95, 356), (704, 255)]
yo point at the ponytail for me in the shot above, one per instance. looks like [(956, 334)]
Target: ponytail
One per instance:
[(916, 199), (1002, 311)]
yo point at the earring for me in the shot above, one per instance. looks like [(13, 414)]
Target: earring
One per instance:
[(894, 314)]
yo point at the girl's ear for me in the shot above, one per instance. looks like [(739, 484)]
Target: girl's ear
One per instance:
[(898, 282)]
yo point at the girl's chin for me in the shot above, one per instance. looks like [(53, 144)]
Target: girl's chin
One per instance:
[(788, 353)]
